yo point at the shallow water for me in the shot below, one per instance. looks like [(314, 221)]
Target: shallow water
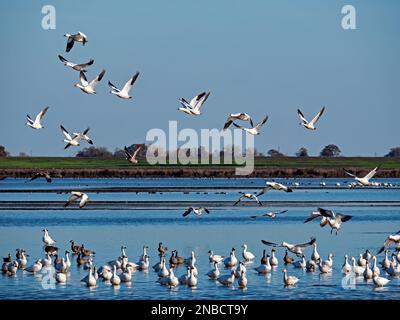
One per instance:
[(105, 231)]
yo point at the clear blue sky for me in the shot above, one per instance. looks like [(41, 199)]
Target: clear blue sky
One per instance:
[(260, 57)]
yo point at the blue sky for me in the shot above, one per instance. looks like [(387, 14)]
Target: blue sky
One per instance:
[(259, 57)]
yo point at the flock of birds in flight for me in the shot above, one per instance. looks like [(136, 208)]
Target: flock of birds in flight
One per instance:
[(121, 269)]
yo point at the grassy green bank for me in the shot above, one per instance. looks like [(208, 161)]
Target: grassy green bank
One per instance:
[(264, 167)]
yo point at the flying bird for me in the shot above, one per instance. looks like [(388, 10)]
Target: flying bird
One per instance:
[(310, 125), (76, 195), (193, 107), (364, 180), (270, 185), (77, 137), (249, 196), (237, 116), (335, 220), (197, 212), (37, 123), (131, 157), (76, 66), (72, 38), (297, 249), (272, 214), (42, 174), (124, 93), (88, 87), (317, 214), (254, 130), (392, 239)]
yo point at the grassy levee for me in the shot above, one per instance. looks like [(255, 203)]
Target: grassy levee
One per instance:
[(263, 167)]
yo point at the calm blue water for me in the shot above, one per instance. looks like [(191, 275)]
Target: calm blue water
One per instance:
[(105, 231)]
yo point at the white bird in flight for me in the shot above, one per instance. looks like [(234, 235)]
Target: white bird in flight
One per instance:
[(76, 195), (310, 125), (37, 123), (75, 140), (237, 116), (124, 93), (254, 130), (197, 212), (76, 66), (271, 185), (392, 239), (272, 214), (131, 157), (364, 180), (193, 107), (72, 38), (88, 87), (249, 196), (334, 220), (297, 249)]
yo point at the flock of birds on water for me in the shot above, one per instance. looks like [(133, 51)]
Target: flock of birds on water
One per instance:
[(120, 270)]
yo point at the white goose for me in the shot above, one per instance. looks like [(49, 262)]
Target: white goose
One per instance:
[(163, 272), (22, 260), (364, 180), (386, 261), (77, 195), (329, 261), (115, 279), (358, 270), (144, 254), (335, 220), (144, 264), (76, 66), (380, 281), (264, 268), (241, 267), (324, 267), (12, 268), (72, 38), (227, 280), (310, 125), (46, 262), (76, 139), (237, 116), (289, 280), (127, 275), (375, 269), (61, 277), (254, 130), (124, 93), (242, 281), (47, 240), (106, 273), (88, 87), (231, 261), (90, 280), (193, 107), (37, 123), (361, 261), (247, 255), (214, 273), (273, 260), (192, 280), (346, 267), (315, 255), (214, 257), (368, 273), (36, 267)]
